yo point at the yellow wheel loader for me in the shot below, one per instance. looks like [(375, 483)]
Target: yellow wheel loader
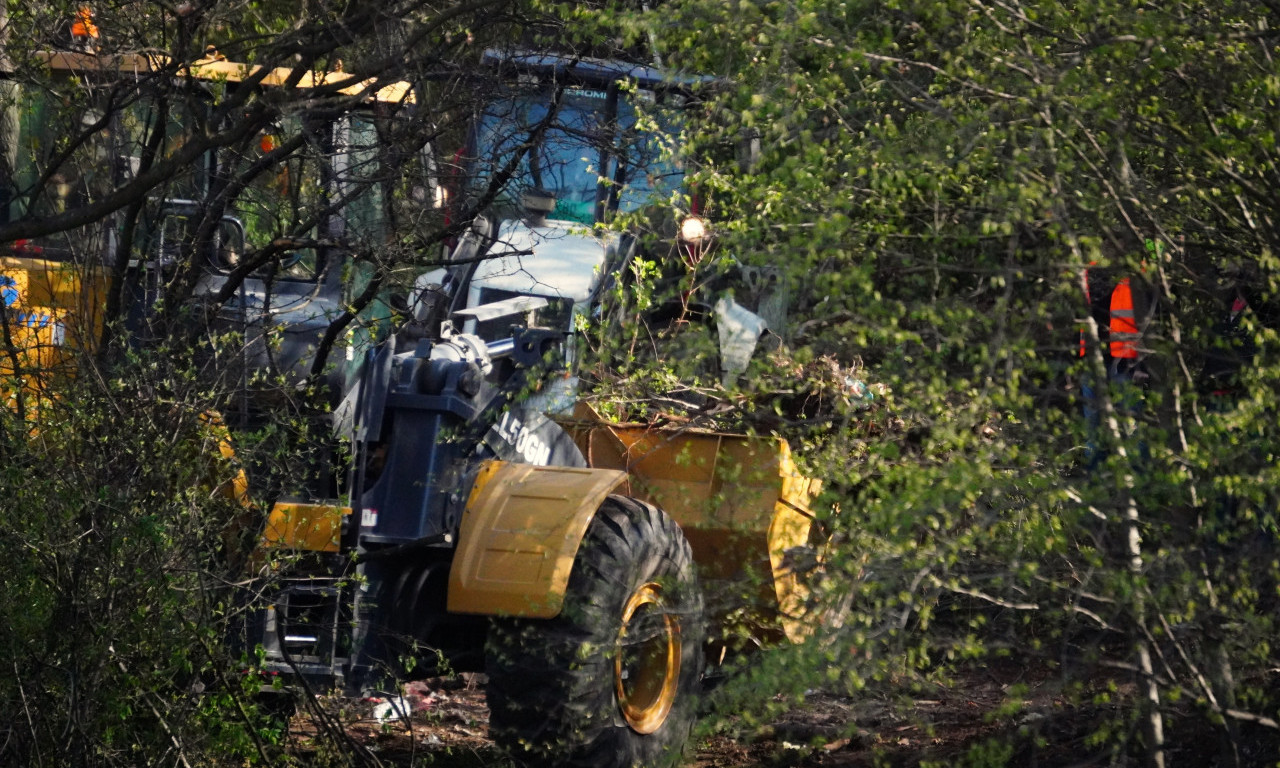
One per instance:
[(490, 524), (491, 537)]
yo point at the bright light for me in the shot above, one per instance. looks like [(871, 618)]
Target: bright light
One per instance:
[(692, 229)]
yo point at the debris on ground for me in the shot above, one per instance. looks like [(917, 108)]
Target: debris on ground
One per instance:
[(447, 719)]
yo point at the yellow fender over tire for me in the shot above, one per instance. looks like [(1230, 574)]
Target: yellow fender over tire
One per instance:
[(519, 536)]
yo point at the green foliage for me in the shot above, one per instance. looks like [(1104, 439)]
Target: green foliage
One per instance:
[(938, 179), (122, 540), (936, 182)]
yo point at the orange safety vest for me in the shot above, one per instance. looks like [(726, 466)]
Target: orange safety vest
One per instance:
[(1124, 325), (83, 26)]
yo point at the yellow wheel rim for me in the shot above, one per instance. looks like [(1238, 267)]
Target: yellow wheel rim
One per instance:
[(646, 667)]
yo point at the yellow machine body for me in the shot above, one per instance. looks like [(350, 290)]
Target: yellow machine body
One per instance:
[(217, 69), (51, 310), (740, 500), (519, 536), (304, 527)]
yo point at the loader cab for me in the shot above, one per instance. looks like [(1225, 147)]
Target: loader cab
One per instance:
[(587, 142), (314, 199), (67, 142), (98, 123), (579, 142), (295, 267), (84, 135)]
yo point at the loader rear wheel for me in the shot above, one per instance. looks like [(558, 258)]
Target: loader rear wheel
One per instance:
[(611, 682)]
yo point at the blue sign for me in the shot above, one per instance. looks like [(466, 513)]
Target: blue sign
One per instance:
[(8, 291)]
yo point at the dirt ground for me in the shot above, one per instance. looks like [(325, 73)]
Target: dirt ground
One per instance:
[(449, 726), (989, 715)]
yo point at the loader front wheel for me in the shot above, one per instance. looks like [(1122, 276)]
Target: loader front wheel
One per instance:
[(611, 682)]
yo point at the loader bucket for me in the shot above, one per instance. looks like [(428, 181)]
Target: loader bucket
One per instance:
[(741, 502)]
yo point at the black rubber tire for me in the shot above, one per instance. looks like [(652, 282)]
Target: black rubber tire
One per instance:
[(554, 685)]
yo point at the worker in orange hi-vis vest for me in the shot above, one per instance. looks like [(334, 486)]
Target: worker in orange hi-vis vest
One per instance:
[(1126, 313), (84, 33)]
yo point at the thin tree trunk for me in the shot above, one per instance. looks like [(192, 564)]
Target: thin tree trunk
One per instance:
[(1154, 725)]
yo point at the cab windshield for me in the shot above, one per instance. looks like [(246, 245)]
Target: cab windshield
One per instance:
[(595, 156)]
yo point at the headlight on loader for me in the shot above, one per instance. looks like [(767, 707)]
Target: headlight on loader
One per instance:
[(692, 230)]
